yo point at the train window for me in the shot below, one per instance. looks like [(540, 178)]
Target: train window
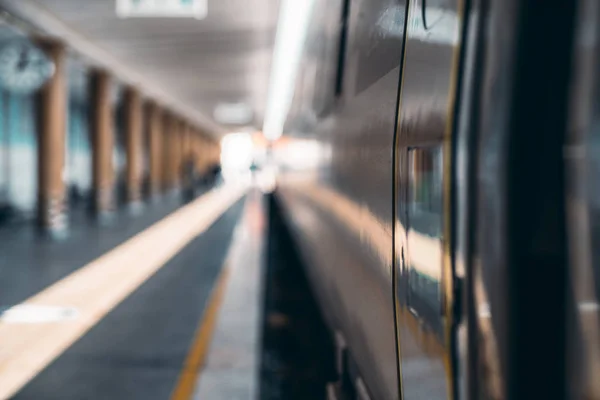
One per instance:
[(425, 190), (425, 222)]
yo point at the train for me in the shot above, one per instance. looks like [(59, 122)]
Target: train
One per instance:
[(445, 195)]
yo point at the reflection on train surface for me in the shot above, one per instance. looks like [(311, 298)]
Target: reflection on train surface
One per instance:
[(291, 199)]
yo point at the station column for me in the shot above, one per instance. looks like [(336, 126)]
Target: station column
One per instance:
[(177, 152), (52, 132), (214, 153), (102, 143), (165, 151), (133, 144), (155, 131), (185, 143), (171, 147), (203, 154), (198, 152)]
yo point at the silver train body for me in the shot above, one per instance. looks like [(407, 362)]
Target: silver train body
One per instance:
[(442, 182)]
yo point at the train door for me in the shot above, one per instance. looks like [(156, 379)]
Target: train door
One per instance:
[(511, 241), (583, 209), (423, 266)]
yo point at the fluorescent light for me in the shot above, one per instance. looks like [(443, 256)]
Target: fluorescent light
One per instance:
[(233, 113), (292, 27), (236, 151)]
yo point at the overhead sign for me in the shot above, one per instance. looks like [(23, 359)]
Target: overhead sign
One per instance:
[(162, 8)]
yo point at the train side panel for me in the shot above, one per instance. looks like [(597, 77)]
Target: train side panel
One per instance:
[(340, 207)]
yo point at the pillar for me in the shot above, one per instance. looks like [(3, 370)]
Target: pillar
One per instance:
[(171, 145), (216, 153), (177, 152), (207, 151), (133, 145), (208, 145), (165, 150), (203, 155), (198, 147), (102, 143), (185, 142), (155, 132), (213, 153), (52, 216)]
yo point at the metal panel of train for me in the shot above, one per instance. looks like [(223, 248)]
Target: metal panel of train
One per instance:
[(446, 197)]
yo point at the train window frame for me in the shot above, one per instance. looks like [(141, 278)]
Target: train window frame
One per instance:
[(325, 95), (342, 49)]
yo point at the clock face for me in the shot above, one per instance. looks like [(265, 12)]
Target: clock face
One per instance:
[(23, 67)]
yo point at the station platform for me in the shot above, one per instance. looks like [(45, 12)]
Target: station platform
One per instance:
[(162, 305)]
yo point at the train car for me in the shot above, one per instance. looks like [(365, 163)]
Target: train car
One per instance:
[(441, 183)]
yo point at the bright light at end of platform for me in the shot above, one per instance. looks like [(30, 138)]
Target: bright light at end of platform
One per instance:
[(237, 151), (294, 18)]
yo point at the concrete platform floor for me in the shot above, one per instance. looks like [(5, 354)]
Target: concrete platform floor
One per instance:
[(30, 263), (142, 310)]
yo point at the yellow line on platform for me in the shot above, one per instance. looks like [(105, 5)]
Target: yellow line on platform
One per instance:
[(95, 289), (197, 355)]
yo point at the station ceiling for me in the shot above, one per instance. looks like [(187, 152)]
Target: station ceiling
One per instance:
[(192, 65)]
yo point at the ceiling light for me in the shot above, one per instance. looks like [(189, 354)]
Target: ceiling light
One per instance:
[(292, 27), (233, 113)]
